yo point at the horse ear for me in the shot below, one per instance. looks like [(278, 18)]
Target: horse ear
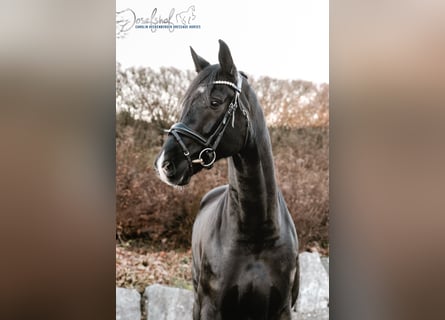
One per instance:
[(200, 63), (225, 59)]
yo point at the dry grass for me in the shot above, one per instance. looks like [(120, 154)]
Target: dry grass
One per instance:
[(139, 265)]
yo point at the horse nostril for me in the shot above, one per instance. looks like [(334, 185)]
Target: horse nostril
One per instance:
[(168, 168)]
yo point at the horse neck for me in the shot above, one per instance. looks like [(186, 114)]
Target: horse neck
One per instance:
[(252, 185)]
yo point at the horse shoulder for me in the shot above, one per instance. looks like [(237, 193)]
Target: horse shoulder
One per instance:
[(286, 216), (212, 195), (207, 219), (208, 214), (292, 240)]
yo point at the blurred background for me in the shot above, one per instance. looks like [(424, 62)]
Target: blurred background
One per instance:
[(386, 155)]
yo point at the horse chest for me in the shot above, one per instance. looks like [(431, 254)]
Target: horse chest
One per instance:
[(240, 282), (247, 269)]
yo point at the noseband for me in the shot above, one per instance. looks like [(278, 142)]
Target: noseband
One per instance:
[(207, 156)]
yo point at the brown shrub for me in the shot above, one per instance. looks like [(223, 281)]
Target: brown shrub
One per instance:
[(298, 114), (146, 207), (302, 170)]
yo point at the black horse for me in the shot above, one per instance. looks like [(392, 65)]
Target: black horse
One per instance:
[(244, 243)]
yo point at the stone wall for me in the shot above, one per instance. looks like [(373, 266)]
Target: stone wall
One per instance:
[(166, 303)]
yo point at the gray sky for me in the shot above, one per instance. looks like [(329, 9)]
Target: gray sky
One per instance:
[(281, 39)]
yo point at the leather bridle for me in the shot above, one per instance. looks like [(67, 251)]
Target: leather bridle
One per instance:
[(207, 155)]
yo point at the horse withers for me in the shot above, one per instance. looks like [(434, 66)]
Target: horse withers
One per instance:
[(244, 243)]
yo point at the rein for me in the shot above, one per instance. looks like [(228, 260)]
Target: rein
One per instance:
[(207, 155)]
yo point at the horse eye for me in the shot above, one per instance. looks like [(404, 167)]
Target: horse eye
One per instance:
[(214, 103)]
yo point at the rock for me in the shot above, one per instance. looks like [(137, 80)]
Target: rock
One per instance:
[(128, 304), (316, 315), (314, 284), (325, 263), (166, 303)]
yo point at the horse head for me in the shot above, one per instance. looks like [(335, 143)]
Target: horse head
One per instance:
[(213, 124)]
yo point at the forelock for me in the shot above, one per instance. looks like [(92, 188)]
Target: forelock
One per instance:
[(201, 86)]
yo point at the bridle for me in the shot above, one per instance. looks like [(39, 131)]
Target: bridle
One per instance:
[(207, 156)]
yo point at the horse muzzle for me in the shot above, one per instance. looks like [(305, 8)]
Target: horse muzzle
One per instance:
[(170, 171)]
